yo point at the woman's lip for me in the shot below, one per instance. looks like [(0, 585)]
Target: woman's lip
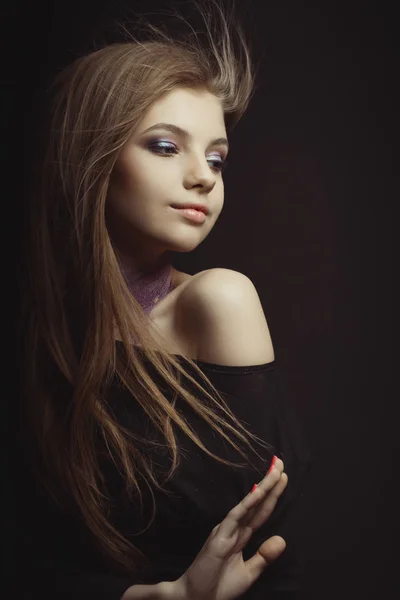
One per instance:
[(198, 207), (192, 214)]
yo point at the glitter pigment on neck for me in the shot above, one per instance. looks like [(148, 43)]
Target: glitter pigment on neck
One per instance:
[(149, 288)]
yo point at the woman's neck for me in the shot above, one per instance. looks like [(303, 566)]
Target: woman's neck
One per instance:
[(148, 285)]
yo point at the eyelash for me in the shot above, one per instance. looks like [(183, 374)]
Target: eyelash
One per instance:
[(155, 146)]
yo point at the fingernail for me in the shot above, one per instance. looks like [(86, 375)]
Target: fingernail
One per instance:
[(253, 488), (272, 465)]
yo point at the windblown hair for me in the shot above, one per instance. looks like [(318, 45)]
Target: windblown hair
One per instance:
[(76, 296)]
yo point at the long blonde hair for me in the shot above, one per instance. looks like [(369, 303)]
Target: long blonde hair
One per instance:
[(76, 295)]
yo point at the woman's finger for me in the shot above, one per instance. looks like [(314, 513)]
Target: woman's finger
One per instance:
[(267, 553), (279, 466), (263, 511), (233, 519), (267, 506)]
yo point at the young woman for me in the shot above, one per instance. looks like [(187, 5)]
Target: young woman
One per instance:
[(150, 402)]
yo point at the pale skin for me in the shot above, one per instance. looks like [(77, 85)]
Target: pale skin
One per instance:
[(219, 571), (145, 229), (160, 167)]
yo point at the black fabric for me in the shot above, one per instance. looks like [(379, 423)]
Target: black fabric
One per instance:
[(61, 558)]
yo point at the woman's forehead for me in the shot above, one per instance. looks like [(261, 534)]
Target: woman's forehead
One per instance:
[(194, 110)]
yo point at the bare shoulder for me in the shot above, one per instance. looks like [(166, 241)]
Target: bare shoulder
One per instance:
[(225, 320)]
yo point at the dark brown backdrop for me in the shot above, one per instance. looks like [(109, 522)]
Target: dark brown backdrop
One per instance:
[(308, 218)]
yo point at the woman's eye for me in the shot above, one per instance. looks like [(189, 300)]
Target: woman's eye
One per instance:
[(168, 149), (220, 163), (163, 148)]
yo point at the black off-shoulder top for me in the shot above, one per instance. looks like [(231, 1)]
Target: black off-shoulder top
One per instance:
[(59, 558)]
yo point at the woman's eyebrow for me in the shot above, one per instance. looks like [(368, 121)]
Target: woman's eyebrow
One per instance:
[(183, 133)]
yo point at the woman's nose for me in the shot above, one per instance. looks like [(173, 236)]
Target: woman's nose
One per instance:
[(198, 173)]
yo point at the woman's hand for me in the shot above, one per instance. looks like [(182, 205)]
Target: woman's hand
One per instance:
[(219, 571)]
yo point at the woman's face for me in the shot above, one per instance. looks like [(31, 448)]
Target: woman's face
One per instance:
[(162, 165)]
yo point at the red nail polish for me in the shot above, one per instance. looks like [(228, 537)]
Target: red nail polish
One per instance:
[(272, 465), (253, 488)]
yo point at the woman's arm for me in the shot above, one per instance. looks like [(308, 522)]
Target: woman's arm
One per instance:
[(230, 327)]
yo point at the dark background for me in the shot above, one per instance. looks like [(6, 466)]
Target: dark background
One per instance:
[(308, 217)]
